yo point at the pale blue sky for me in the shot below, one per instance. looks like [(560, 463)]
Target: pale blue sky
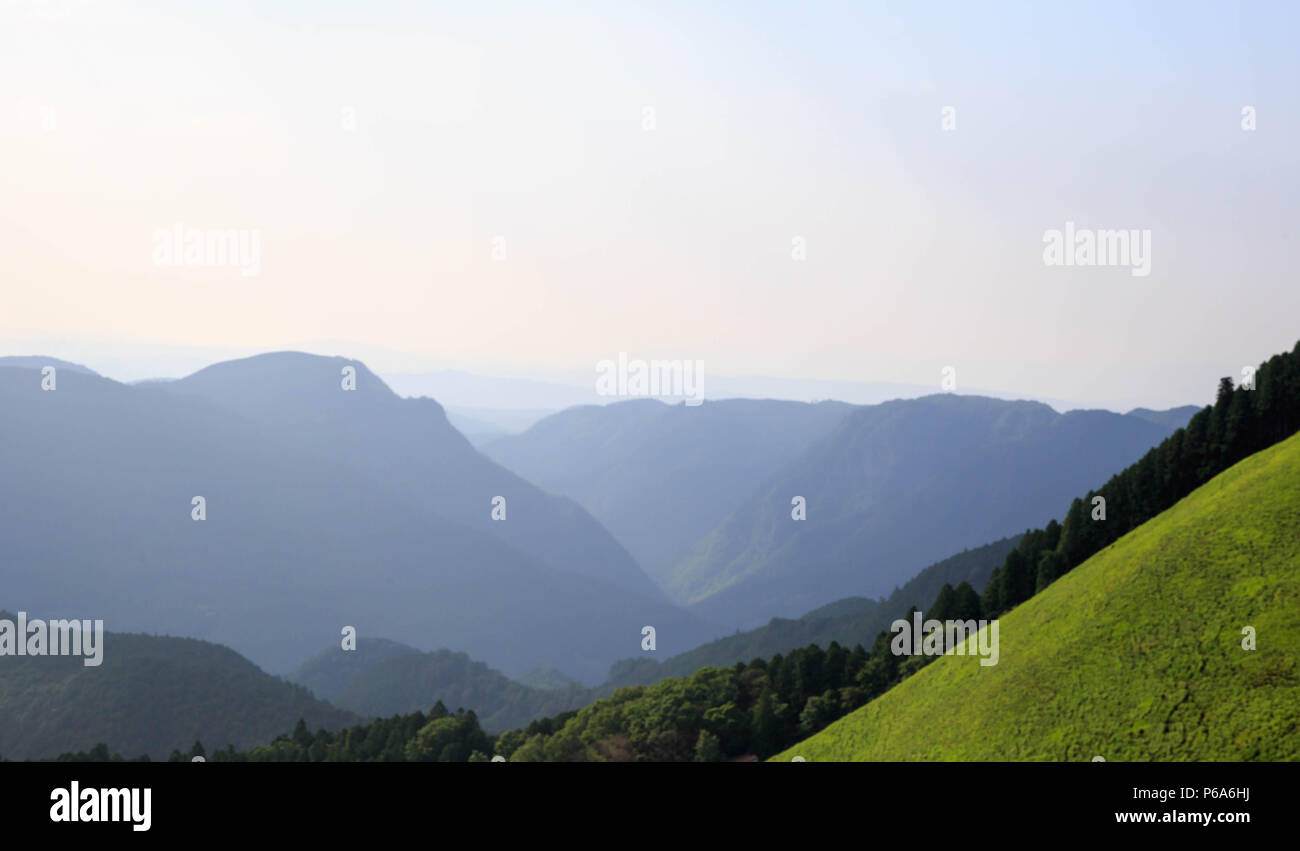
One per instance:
[(772, 121)]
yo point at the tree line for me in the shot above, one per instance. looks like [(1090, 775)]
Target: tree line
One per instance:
[(1242, 421)]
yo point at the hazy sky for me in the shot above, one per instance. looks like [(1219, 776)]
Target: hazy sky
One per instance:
[(379, 149)]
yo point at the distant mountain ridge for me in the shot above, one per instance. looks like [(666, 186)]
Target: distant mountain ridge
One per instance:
[(408, 445), (1174, 418), (659, 476), (897, 486), (683, 487), (39, 362), (309, 526)]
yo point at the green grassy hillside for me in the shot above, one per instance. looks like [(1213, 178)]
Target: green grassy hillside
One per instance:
[(1134, 655)]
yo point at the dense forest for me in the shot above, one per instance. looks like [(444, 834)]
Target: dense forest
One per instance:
[(756, 709)]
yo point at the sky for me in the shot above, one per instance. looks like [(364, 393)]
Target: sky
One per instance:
[(833, 191)]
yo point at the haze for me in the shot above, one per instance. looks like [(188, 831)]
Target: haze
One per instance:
[(383, 152)]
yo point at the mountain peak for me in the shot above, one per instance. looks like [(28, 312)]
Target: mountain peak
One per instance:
[(299, 368), (294, 384)]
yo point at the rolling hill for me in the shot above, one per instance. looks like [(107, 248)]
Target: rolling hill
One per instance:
[(414, 682), (151, 695), (330, 672), (547, 677), (382, 678), (1136, 654)]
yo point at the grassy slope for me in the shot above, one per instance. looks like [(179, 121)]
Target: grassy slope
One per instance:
[(1134, 655)]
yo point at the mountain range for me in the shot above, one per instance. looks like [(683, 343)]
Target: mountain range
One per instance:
[(660, 476), (329, 501), (324, 508), (704, 497)]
